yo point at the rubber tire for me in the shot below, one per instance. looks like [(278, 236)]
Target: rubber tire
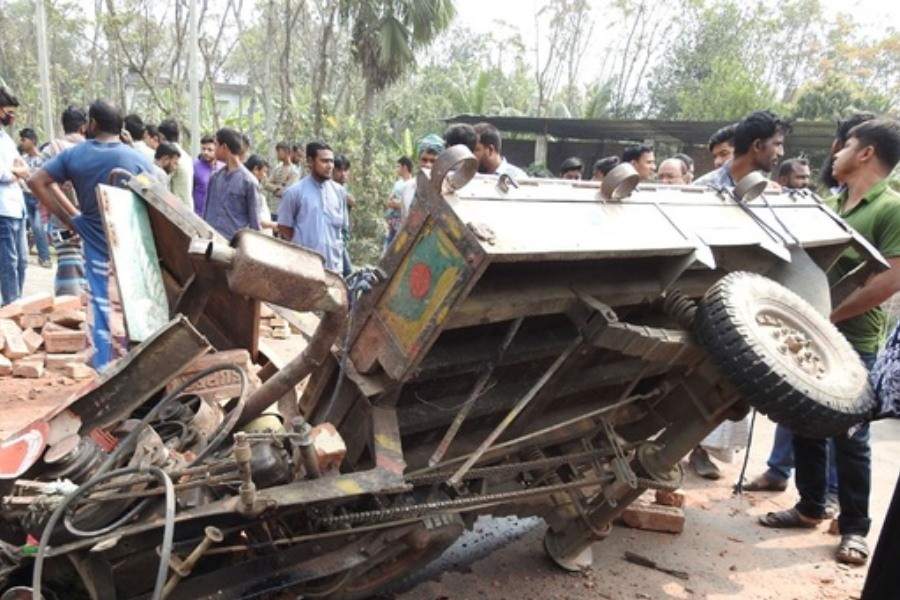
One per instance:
[(746, 355)]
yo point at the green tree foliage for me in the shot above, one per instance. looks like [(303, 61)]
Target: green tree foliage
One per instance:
[(835, 96), (385, 36), (714, 63), (18, 55), (855, 71), (373, 76), (726, 91)]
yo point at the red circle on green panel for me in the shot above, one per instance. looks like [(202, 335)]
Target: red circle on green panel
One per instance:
[(419, 280)]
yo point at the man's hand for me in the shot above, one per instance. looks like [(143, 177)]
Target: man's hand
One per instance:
[(19, 169), (285, 233), (873, 293), (47, 192)]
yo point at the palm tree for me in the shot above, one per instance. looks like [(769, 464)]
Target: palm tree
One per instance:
[(385, 35)]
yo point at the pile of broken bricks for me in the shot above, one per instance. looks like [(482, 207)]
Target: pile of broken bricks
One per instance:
[(272, 325), (42, 332)]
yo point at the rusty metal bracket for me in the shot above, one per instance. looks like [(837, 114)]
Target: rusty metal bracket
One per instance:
[(453, 169), (135, 378), (621, 468)]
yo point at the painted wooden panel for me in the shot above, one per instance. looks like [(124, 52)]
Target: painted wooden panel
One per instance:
[(133, 254)]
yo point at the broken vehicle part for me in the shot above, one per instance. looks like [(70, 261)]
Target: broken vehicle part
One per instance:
[(546, 349)]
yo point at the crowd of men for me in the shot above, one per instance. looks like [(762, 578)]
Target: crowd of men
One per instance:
[(53, 187), (50, 189), (834, 476)]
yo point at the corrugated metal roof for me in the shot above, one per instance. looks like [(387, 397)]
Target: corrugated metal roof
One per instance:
[(806, 134)]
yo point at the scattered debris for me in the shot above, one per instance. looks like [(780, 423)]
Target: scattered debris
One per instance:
[(643, 561)]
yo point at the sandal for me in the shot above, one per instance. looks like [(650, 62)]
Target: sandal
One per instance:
[(788, 519), (853, 550)]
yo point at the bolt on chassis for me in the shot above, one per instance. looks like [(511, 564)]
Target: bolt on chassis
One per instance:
[(536, 348)]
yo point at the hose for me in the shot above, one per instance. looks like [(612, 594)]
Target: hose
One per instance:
[(104, 473), (220, 434), (739, 486), (168, 529)]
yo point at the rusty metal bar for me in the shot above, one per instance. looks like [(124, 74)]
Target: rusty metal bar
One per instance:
[(311, 358), (476, 392), (276, 271), (518, 408)]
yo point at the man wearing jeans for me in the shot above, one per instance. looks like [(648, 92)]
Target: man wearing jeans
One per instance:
[(13, 238), (28, 141), (781, 457), (87, 165), (871, 207)]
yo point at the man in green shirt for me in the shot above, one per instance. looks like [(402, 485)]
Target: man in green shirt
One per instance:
[(867, 203)]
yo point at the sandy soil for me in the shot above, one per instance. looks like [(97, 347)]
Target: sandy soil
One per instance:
[(22, 401)]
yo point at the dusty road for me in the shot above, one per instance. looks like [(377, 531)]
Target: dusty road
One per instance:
[(722, 548)]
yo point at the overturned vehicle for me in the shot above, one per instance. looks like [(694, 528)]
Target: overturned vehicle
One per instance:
[(535, 348)]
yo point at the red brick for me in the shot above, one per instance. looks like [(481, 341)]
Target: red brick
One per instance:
[(29, 368), (67, 303), (42, 302), (5, 366), (32, 339), (668, 519), (67, 340), (31, 320), (11, 311), (78, 371), (68, 318), (56, 362), (14, 347), (669, 498), (330, 447)]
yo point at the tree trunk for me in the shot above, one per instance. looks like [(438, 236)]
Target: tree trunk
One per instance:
[(320, 82), (368, 132), (267, 80)]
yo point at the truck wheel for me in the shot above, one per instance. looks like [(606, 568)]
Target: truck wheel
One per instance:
[(783, 356)]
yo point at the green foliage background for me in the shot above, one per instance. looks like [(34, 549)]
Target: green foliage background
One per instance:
[(373, 76)]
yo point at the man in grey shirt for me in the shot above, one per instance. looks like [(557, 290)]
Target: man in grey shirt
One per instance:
[(232, 201)]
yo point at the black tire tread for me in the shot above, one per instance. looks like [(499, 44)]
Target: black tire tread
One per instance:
[(786, 397)]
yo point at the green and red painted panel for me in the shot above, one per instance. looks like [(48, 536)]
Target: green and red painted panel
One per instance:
[(424, 288)]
